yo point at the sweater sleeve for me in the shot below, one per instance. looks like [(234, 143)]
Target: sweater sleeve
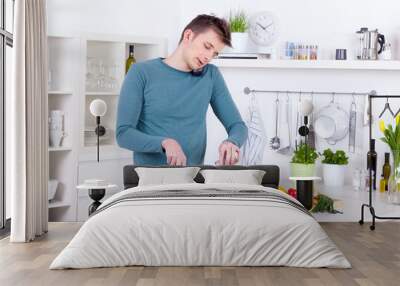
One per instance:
[(226, 110), (129, 109)]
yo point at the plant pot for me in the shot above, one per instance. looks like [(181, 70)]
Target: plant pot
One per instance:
[(240, 43), (302, 170), (333, 174)]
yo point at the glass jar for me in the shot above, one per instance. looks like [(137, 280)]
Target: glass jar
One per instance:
[(357, 180), (313, 52), (394, 179)]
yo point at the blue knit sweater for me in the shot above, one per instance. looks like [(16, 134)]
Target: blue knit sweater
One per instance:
[(158, 101)]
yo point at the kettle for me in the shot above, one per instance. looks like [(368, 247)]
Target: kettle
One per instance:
[(369, 40)]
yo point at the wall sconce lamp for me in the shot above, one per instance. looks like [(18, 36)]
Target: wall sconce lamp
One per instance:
[(98, 108)]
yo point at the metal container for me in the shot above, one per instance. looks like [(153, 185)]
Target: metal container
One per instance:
[(371, 44)]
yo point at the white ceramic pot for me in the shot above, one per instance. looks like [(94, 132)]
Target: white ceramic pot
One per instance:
[(333, 174), (302, 170), (240, 43)]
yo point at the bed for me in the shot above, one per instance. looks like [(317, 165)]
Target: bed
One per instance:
[(201, 224)]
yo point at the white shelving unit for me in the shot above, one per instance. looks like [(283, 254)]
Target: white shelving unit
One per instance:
[(308, 64), (76, 159), (63, 95)]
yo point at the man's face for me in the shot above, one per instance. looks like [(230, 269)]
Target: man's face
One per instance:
[(201, 48)]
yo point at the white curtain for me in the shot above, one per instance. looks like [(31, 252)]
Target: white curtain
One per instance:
[(28, 131)]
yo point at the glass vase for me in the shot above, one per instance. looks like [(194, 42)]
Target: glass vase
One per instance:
[(394, 179)]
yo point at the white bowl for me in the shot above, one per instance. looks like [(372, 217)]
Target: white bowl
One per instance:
[(52, 189)]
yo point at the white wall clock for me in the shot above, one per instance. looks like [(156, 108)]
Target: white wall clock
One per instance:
[(263, 28)]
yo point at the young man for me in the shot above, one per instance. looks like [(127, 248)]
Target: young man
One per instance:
[(163, 102)]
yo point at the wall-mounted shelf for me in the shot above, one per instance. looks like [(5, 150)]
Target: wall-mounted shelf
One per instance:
[(55, 149), (59, 92), (102, 93), (303, 64), (57, 204)]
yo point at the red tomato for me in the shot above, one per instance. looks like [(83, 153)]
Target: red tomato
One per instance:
[(292, 192)]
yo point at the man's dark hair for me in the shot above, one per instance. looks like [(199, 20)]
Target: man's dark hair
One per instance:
[(204, 22)]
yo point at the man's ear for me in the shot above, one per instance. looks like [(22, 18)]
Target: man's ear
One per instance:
[(188, 35)]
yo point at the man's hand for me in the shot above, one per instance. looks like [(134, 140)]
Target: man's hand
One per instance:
[(174, 153), (228, 153)]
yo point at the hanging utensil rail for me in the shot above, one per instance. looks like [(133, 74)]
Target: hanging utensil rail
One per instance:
[(371, 95)]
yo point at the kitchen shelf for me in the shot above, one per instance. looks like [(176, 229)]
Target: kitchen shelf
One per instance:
[(57, 204), (104, 93), (55, 149), (59, 92), (310, 64)]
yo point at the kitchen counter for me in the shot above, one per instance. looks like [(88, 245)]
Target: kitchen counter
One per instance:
[(351, 201)]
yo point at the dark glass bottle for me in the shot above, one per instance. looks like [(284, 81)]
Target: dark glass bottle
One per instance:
[(130, 60), (371, 161), (386, 169)]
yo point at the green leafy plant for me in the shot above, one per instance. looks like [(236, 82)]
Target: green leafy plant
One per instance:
[(338, 158), (304, 155), (324, 204), (238, 22)]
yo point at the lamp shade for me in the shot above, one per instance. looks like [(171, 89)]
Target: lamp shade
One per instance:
[(98, 107), (306, 107)]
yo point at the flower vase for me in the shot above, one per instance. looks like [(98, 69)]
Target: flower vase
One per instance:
[(394, 179)]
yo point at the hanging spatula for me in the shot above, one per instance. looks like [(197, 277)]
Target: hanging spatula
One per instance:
[(311, 134)]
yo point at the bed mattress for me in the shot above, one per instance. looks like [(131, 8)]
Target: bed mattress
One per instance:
[(201, 225)]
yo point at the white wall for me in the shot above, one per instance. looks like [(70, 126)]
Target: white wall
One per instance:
[(330, 24), (133, 17)]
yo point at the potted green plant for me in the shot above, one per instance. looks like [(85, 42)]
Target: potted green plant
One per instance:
[(238, 23), (334, 167), (303, 161)]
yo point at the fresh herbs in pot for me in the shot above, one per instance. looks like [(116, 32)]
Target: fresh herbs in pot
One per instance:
[(238, 22), (304, 155), (337, 158)]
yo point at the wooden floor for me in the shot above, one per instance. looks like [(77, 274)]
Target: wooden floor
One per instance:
[(374, 255)]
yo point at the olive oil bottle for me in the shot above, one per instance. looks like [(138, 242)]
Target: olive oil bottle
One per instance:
[(130, 60), (386, 169)]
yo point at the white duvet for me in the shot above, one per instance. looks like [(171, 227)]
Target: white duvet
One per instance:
[(200, 231)]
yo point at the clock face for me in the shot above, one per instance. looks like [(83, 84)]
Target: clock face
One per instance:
[(263, 28)]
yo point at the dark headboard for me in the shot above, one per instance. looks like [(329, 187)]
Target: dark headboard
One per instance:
[(270, 179)]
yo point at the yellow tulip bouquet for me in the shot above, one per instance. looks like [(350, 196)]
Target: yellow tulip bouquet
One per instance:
[(391, 136)]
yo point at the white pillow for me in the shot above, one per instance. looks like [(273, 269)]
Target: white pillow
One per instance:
[(249, 177), (162, 176)]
